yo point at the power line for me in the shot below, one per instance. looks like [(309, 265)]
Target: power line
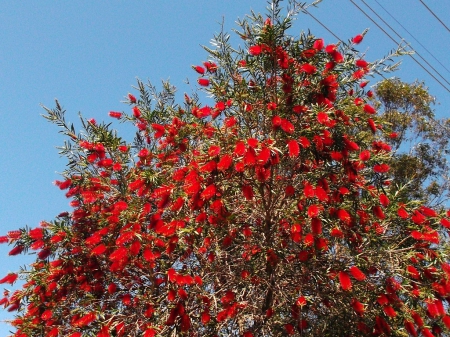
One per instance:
[(411, 35), (417, 53), (423, 3), (398, 44), (320, 23)]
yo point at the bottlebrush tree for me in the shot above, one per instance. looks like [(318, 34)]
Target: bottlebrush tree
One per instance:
[(266, 213)]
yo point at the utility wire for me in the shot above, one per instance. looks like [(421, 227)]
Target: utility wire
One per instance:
[(417, 53), (423, 3), (320, 23), (398, 44), (443, 66)]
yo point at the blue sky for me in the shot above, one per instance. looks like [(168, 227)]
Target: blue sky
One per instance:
[(89, 54)]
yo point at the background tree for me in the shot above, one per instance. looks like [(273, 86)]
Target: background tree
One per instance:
[(419, 140), (267, 213)]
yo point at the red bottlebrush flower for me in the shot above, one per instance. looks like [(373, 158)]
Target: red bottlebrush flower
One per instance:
[(136, 112), (36, 233), (99, 250), (318, 44), (131, 98), (344, 216), (357, 39), (432, 309), (287, 126), (358, 307), (112, 288), (409, 326), (316, 226), (369, 109), (428, 212), (211, 67), (115, 114), (255, 50), (330, 48), (208, 192), (337, 57), (417, 319), (4, 239), (276, 121), (309, 53), (199, 69), (289, 191), (252, 142), (402, 213), (159, 130), (389, 311), (263, 156), (247, 190), (225, 162), (240, 148), (272, 106), (444, 222), (344, 280), (16, 250), (204, 82), (363, 84), (14, 235), (372, 125), (150, 332), (10, 278), (309, 191), (299, 109), (384, 200), (361, 63), (205, 317), (418, 218), (381, 168), (44, 253), (230, 121), (357, 273), (301, 301), (46, 315), (446, 321), (427, 333), (294, 148), (364, 155), (378, 212), (308, 68), (85, 320), (119, 254), (359, 74), (313, 211), (337, 233), (214, 150), (337, 156), (322, 117)]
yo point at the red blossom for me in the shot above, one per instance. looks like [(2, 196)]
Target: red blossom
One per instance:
[(369, 109), (255, 50), (199, 69), (361, 63), (318, 44), (357, 273), (344, 280), (204, 82), (115, 114), (294, 148), (357, 39)]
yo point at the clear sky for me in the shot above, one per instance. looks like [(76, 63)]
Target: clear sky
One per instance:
[(88, 54)]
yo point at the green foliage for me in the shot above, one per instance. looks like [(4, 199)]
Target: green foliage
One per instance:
[(420, 141)]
